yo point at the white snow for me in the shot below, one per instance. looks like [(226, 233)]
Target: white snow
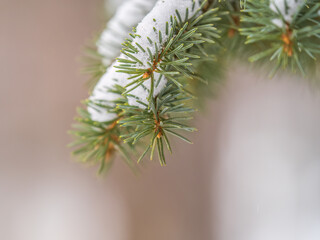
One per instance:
[(102, 96), (157, 18), (287, 8), (128, 15)]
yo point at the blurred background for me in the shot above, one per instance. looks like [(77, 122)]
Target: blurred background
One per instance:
[(253, 172)]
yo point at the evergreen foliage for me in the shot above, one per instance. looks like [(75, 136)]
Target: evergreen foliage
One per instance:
[(185, 60), (294, 44)]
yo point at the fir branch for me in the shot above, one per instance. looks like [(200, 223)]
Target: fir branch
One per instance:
[(96, 142), (295, 44), (168, 112), (147, 96), (165, 77)]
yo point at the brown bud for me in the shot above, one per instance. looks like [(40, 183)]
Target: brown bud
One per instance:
[(146, 75)]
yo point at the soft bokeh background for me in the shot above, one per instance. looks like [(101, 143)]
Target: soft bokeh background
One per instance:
[(252, 174)]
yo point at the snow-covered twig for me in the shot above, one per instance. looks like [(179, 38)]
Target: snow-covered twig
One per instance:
[(147, 36), (127, 16)]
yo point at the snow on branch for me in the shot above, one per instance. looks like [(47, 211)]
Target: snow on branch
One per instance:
[(152, 33), (127, 16)]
